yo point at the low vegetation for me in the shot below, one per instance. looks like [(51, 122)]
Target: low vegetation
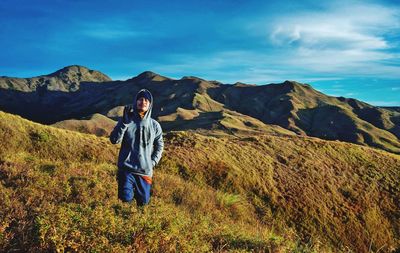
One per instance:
[(261, 194)]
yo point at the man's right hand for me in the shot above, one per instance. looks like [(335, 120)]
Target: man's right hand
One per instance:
[(127, 117)]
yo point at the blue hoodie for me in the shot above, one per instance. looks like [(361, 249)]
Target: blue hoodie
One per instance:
[(142, 142)]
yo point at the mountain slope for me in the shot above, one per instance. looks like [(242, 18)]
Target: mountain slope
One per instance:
[(97, 124), (300, 108), (198, 104), (65, 79), (264, 193)]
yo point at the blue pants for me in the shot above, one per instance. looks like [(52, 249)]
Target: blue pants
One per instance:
[(133, 186)]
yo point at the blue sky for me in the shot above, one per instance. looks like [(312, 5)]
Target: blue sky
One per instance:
[(342, 48)]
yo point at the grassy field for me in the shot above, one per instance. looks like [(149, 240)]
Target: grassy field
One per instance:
[(240, 194)]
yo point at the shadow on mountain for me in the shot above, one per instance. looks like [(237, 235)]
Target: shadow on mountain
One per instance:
[(195, 103)]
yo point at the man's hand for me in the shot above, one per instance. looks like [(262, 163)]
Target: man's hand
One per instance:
[(128, 114)]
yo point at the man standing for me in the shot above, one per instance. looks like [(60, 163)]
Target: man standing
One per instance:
[(141, 149)]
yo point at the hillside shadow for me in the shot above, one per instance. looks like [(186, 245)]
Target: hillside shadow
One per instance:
[(48, 107), (205, 120)]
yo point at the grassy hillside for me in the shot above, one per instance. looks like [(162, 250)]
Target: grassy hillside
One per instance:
[(265, 193), (58, 192), (96, 124), (333, 191), (306, 111)]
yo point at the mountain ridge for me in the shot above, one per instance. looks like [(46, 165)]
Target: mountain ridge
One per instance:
[(291, 105), (64, 79)]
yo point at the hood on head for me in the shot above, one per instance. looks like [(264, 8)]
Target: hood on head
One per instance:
[(148, 112)]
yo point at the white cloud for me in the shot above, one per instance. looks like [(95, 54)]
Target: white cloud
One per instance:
[(233, 66), (352, 26), (383, 103), (350, 39)]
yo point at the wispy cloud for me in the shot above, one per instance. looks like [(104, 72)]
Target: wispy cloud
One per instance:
[(349, 27), (329, 43), (233, 66), (339, 46), (110, 29), (383, 103), (341, 39)]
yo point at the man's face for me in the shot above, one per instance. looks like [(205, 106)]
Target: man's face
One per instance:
[(142, 104)]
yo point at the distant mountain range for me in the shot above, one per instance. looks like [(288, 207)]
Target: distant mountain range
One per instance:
[(76, 97)]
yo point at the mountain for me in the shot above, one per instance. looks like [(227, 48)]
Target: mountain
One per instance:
[(192, 103), (65, 79), (391, 108), (259, 193), (304, 110)]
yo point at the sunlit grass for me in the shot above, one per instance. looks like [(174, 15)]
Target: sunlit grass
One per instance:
[(265, 194)]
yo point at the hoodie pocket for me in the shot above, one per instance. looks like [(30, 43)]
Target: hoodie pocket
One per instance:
[(146, 138)]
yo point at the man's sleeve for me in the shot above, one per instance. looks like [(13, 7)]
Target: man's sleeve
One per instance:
[(118, 132), (158, 145)]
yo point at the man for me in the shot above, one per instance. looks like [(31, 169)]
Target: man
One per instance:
[(141, 149)]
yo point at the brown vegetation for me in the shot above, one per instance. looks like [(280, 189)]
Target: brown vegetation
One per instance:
[(263, 193)]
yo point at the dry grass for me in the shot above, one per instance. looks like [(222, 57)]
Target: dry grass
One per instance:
[(96, 124), (260, 194)]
